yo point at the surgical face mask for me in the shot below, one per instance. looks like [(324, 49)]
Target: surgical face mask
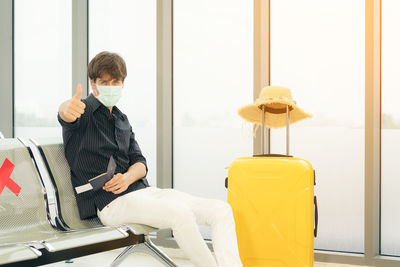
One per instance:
[(109, 95)]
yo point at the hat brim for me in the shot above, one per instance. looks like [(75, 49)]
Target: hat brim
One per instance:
[(252, 113)]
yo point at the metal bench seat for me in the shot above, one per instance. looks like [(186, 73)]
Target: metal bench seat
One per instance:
[(17, 252), (52, 152), (23, 218), (67, 215)]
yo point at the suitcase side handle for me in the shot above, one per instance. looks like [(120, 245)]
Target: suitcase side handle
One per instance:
[(315, 217)]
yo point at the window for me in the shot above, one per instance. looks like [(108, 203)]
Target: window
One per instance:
[(43, 65), (213, 77), (390, 134), (317, 50), (129, 28)]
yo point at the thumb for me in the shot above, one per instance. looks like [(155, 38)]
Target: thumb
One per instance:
[(78, 94)]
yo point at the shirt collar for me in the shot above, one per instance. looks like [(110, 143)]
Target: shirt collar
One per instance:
[(94, 103)]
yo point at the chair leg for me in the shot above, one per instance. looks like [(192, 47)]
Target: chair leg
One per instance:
[(146, 247), (157, 253)]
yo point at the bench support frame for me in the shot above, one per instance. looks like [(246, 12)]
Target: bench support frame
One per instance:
[(144, 246)]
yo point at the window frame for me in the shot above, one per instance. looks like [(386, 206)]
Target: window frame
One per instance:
[(80, 29), (7, 67)]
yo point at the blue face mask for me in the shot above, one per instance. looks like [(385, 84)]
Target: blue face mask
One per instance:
[(109, 95)]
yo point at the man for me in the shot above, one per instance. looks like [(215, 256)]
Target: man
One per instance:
[(94, 129)]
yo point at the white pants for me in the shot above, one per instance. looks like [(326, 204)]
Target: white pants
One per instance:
[(170, 208)]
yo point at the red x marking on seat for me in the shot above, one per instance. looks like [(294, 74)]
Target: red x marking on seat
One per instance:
[(5, 180)]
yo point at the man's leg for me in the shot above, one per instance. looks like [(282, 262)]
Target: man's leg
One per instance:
[(217, 214), (148, 206)]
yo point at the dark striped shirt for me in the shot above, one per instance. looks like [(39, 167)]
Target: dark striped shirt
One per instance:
[(89, 142)]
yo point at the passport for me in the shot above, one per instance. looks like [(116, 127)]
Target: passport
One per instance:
[(98, 182)]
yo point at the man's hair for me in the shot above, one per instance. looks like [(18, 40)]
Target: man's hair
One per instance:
[(107, 62)]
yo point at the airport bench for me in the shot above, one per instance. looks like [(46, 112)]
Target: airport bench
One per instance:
[(41, 225)]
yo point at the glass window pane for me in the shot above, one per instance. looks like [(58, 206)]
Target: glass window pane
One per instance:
[(43, 65), (390, 188), (317, 50), (130, 31), (213, 77)]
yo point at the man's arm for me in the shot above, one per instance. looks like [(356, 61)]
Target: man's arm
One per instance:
[(138, 169), (120, 182)]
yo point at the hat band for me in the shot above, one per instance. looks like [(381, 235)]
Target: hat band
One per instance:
[(275, 110)]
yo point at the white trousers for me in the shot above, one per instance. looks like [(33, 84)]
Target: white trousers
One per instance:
[(170, 208)]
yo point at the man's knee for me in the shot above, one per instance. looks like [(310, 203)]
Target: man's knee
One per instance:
[(180, 215), (221, 208)]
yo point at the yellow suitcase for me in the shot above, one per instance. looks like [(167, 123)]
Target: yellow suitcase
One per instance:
[(272, 198)]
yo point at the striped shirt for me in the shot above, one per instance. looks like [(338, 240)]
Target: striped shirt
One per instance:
[(89, 142)]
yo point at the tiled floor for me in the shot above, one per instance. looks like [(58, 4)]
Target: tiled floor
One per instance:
[(141, 260)]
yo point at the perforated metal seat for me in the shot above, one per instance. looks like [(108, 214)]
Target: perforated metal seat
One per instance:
[(52, 151), (23, 218), (18, 252)]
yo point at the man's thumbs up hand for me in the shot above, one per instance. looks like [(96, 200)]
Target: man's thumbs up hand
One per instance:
[(78, 94), (72, 109)]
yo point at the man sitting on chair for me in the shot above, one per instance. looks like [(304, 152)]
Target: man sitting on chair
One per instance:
[(94, 129)]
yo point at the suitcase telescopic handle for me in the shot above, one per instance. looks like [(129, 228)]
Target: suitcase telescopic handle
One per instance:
[(264, 109), (315, 217), (273, 156)]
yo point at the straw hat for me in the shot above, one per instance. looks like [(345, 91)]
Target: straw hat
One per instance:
[(275, 99)]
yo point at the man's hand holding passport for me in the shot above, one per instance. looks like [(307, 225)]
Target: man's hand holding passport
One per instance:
[(98, 182)]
